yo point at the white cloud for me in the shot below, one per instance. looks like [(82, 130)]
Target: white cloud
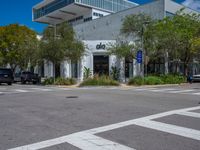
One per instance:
[(194, 4)]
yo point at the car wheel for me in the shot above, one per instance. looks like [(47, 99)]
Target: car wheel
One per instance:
[(23, 82), (10, 83)]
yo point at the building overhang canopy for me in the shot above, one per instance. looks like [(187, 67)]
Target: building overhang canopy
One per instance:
[(66, 13)]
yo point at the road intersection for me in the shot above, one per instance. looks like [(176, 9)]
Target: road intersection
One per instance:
[(114, 118)]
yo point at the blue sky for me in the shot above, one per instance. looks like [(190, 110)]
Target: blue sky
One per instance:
[(20, 11)]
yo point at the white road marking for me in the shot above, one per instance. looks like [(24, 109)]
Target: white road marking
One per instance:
[(144, 89), (180, 91), (21, 91), (86, 140), (168, 128), (190, 114), (42, 89), (196, 93), (162, 90)]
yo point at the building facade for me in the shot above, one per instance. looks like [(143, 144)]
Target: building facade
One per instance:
[(97, 24)]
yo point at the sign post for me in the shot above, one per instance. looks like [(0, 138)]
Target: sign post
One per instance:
[(139, 56)]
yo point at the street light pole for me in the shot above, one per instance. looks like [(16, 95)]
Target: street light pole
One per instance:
[(54, 36), (144, 64)]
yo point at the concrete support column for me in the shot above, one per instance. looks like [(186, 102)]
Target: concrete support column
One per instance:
[(48, 69), (66, 69), (112, 62), (135, 68), (122, 69)]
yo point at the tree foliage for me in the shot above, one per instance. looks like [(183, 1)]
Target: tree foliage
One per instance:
[(177, 36), (17, 46), (122, 49), (59, 43), (133, 29), (172, 39)]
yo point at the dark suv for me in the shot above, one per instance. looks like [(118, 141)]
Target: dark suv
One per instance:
[(27, 76), (6, 76)]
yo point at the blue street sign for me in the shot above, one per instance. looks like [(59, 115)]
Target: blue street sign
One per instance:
[(139, 56)]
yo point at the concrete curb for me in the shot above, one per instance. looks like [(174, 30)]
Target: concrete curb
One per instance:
[(120, 86)]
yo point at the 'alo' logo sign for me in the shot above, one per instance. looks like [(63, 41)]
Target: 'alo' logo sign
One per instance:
[(101, 46)]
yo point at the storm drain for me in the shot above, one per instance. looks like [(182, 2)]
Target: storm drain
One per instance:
[(72, 97)]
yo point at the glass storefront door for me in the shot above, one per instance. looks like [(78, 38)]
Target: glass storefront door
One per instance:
[(101, 65)]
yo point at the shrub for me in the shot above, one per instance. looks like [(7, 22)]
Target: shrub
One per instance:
[(115, 73), (173, 79), (153, 80), (99, 81), (86, 73), (64, 81), (59, 81), (48, 81), (136, 81)]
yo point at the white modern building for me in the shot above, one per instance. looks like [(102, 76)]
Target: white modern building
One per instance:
[(97, 23)]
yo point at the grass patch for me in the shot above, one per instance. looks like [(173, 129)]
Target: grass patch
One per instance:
[(59, 81), (99, 81)]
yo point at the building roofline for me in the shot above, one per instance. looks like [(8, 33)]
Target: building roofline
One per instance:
[(137, 7)]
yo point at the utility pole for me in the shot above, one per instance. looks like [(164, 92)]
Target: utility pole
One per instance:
[(144, 62)]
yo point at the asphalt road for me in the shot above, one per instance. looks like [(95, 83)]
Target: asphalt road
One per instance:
[(52, 118)]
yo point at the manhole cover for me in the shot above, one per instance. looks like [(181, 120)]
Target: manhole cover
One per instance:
[(72, 97)]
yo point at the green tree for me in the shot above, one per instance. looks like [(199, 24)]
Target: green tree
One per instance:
[(187, 27), (161, 39), (59, 43), (17, 45), (122, 49), (175, 38)]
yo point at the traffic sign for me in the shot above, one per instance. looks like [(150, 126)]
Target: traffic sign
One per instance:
[(139, 56)]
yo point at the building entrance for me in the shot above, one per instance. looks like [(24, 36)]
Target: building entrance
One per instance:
[(101, 65)]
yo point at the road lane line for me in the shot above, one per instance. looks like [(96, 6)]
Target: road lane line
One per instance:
[(162, 90), (88, 142), (42, 89), (180, 91), (21, 91), (144, 89), (169, 128), (132, 122), (196, 93), (190, 114)]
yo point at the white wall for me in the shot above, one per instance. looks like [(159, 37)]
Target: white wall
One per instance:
[(48, 69)]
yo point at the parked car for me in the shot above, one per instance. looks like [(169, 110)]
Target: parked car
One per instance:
[(6, 76), (196, 78), (27, 76), (17, 77)]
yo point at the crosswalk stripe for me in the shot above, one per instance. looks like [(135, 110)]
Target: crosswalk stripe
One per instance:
[(162, 90), (144, 89), (21, 91), (88, 140), (189, 114), (180, 91), (196, 93), (41, 89), (169, 128)]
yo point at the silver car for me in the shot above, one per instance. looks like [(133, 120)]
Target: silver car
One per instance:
[(196, 78)]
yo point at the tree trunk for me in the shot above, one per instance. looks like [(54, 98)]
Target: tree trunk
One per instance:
[(166, 59), (54, 71)]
